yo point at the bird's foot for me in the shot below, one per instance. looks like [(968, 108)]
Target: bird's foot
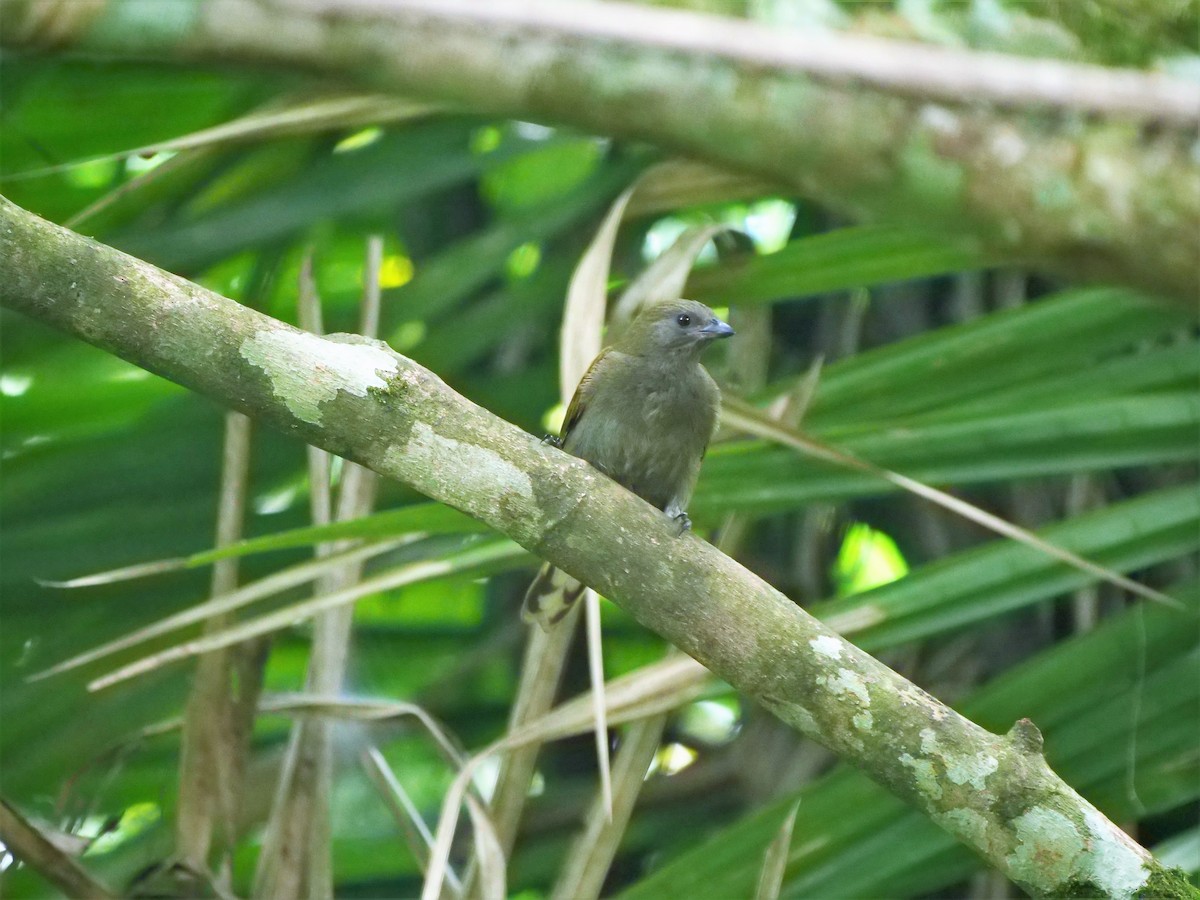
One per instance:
[(553, 440), (682, 522)]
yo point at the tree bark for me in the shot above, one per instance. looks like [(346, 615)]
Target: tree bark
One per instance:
[(361, 400), (972, 143)]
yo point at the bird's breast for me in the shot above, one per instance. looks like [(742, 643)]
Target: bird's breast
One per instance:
[(648, 433)]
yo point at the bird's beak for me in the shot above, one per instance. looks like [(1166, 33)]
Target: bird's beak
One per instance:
[(716, 329)]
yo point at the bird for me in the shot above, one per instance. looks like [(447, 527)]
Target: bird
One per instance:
[(643, 415)]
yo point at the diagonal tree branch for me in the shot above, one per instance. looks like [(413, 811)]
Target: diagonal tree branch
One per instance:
[(360, 399), (972, 143), (26, 842)]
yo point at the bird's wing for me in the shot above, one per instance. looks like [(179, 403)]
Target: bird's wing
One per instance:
[(583, 394)]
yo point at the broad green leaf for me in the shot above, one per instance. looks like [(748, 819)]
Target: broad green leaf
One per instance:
[(751, 476), (497, 319), (423, 518), (835, 261), (747, 418), (295, 117), (445, 281), (541, 175), (1062, 334), (480, 557), (999, 577), (71, 395), (399, 167), (1174, 367), (124, 105)]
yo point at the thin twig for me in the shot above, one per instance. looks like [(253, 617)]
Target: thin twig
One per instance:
[(273, 584), (583, 874), (408, 818), (595, 645), (208, 796), (541, 670)]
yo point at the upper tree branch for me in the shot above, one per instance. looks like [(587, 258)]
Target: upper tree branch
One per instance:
[(361, 400), (877, 129), (921, 71)]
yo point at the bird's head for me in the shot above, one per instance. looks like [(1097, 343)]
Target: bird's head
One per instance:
[(673, 328)]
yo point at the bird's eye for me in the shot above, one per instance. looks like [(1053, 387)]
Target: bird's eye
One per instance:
[(684, 320)]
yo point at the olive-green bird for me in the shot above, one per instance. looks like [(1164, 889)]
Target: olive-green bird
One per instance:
[(643, 414)]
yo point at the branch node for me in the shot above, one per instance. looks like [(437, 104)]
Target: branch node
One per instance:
[(1026, 737)]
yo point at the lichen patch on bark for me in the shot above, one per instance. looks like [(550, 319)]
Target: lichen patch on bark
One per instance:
[(965, 823), (961, 768), (1048, 847), (972, 770), (1118, 865), (848, 682), (306, 370), (924, 775), (827, 645)]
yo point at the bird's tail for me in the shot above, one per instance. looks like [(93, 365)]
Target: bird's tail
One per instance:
[(550, 597)]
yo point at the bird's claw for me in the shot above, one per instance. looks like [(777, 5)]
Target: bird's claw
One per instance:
[(553, 440), (682, 522)]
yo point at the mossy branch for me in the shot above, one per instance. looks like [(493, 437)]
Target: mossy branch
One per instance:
[(363, 401), (1078, 170)]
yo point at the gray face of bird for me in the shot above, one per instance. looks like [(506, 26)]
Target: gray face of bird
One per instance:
[(684, 327)]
